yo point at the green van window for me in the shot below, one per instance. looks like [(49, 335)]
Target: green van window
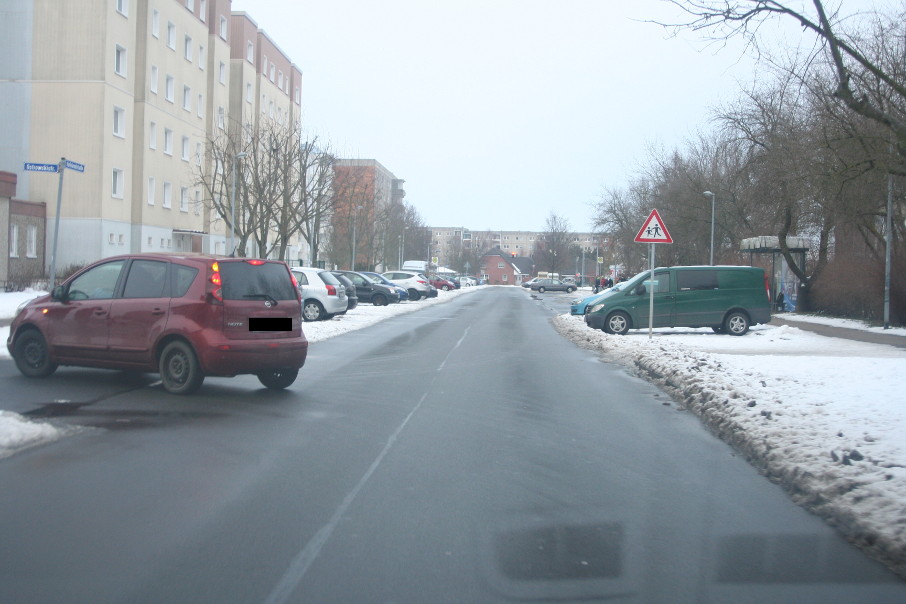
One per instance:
[(695, 280)]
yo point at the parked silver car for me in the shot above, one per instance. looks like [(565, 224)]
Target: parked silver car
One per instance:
[(415, 283), (323, 296)]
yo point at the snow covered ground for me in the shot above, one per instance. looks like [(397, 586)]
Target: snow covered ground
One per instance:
[(824, 417)]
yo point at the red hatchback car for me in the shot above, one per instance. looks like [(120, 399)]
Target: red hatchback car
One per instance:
[(182, 315)]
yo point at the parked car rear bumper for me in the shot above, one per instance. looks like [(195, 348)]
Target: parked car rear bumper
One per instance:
[(233, 357)]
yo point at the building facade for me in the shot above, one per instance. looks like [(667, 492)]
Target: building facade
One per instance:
[(134, 90), (367, 211), (453, 243)]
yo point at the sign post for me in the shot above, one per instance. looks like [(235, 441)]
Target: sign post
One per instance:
[(653, 231), (59, 168)]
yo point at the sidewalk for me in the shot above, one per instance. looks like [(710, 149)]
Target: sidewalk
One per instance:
[(834, 331)]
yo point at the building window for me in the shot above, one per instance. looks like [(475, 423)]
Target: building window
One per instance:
[(155, 23), (200, 105), (170, 88), (119, 61), (119, 122), (198, 202), (280, 79), (500, 265), (220, 117), (248, 93), (152, 190), (14, 241), (154, 78), (250, 53), (298, 95), (122, 7), (168, 193), (273, 72), (223, 27), (203, 9), (201, 57), (222, 73), (190, 4), (185, 148), (197, 154), (118, 184), (168, 141), (183, 199), (31, 241), (150, 242), (504, 277), (187, 98), (264, 65), (187, 48), (152, 135), (171, 35)]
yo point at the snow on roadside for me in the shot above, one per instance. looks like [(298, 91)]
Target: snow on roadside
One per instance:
[(820, 416)]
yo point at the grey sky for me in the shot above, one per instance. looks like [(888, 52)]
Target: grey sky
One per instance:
[(498, 112)]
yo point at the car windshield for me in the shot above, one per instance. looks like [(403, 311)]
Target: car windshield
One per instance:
[(243, 280)]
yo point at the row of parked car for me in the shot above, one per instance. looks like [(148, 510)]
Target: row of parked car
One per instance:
[(327, 293)]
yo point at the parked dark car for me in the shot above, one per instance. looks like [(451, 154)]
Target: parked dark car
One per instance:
[(379, 278), (184, 316), (552, 285), (352, 297), (367, 290)]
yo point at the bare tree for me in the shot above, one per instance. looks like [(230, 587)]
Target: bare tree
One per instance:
[(858, 72), (554, 253)]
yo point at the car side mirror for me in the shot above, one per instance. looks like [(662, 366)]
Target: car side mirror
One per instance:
[(59, 293)]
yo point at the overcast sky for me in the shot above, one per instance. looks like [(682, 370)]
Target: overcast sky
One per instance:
[(497, 113)]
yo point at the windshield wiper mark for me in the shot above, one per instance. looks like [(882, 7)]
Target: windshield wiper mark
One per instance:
[(267, 297)]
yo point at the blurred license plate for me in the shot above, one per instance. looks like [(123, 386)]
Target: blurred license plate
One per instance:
[(270, 324)]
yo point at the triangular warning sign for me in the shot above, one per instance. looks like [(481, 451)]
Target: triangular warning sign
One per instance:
[(653, 231)]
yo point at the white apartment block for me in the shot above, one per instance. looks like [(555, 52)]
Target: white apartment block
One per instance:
[(447, 242), (133, 90)]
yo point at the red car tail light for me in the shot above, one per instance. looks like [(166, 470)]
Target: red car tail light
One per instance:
[(331, 290), (215, 284)]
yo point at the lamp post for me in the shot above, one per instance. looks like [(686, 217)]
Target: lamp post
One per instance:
[(236, 159), (399, 265), (355, 214), (711, 195)]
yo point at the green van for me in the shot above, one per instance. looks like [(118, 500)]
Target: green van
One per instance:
[(727, 299)]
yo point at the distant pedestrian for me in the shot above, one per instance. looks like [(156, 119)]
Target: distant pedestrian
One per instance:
[(597, 284)]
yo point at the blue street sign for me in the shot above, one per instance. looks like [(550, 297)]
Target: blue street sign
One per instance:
[(30, 167), (71, 165)]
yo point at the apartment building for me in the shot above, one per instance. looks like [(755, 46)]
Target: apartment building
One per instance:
[(133, 90), (449, 243), (365, 190)]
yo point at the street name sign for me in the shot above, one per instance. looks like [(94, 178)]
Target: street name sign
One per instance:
[(33, 167), (71, 165)]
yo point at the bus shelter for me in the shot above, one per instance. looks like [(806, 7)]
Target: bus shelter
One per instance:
[(783, 282)]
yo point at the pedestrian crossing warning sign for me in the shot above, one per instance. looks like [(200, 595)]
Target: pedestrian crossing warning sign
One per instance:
[(653, 231)]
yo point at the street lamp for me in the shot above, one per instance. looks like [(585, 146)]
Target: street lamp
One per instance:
[(236, 159), (711, 195), (355, 213), (399, 265)]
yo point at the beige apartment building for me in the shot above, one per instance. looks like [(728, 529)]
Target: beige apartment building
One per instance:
[(132, 90), (449, 242)]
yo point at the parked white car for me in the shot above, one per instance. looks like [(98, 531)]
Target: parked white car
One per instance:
[(323, 296), (415, 283)]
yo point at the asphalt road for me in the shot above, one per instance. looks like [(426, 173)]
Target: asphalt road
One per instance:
[(463, 453)]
